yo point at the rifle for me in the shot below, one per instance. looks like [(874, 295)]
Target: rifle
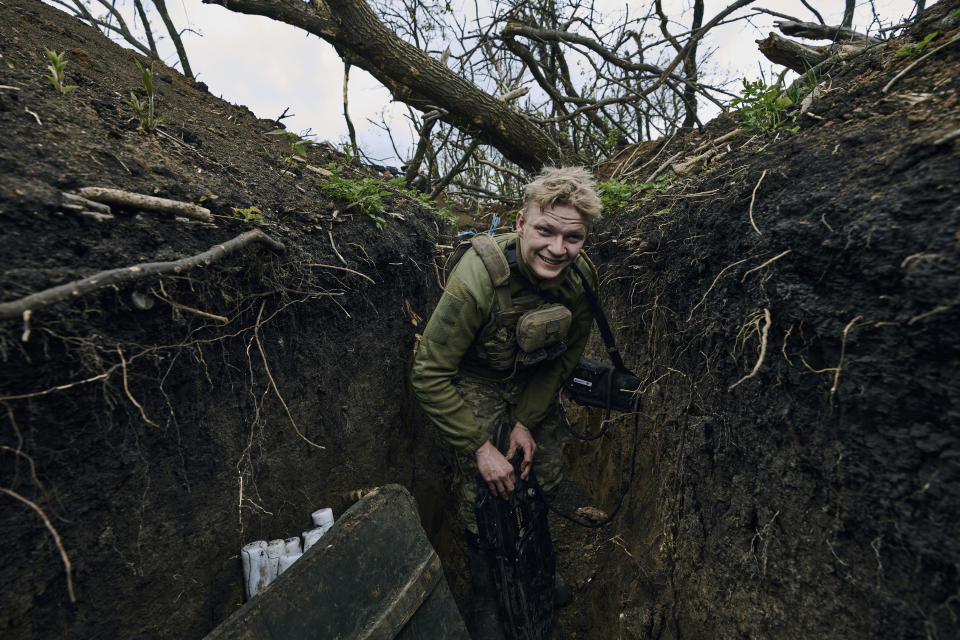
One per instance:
[(515, 536)]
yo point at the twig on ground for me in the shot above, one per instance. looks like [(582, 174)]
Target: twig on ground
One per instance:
[(752, 198), (183, 307), (953, 135), (273, 383), (146, 203), (919, 60), (35, 116), (53, 532), (78, 288)]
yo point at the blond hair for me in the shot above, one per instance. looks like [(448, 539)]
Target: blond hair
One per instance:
[(571, 186)]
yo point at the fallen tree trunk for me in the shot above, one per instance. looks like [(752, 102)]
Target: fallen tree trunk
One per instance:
[(25, 306), (793, 55), (814, 31), (411, 75)]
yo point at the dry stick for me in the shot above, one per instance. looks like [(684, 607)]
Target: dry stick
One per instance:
[(126, 389), (650, 161), (752, 198), (776, 257), (712, 285), (77, 288), (843, 348), (147, 203), (330, 266), (266, 367), (183, 307), (947, 138), (53, 532), (918, 61), (763, 350)]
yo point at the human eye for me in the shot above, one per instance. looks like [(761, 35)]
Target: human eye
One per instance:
[(544, 231)]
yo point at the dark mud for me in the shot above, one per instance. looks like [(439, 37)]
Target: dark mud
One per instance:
[(815, 498)]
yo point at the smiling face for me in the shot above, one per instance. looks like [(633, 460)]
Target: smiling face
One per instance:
[(550, 239)]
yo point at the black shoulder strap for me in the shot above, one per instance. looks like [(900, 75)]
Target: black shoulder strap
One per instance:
[(601, 319)]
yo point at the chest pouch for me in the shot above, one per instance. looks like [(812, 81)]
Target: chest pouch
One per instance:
[(541, 333)]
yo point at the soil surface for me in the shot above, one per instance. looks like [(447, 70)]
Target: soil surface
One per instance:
[(791, 306)]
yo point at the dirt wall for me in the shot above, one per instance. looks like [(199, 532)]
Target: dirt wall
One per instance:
[(793, 312)]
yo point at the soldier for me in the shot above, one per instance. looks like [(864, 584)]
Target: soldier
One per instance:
[(508, 330)]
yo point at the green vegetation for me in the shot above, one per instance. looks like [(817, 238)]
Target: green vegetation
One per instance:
[(298, 145), (146, 111), (761, 107), (248, 214), (443, 213), (365, 195), (616, 194), (56, 67), (913, 50)]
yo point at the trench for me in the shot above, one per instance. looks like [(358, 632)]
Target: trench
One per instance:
[(791, 311)]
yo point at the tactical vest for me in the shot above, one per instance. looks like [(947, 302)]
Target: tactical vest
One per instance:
[(522, 330)]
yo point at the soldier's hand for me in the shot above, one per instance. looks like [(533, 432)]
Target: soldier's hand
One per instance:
[(521, 438), (495, 470)]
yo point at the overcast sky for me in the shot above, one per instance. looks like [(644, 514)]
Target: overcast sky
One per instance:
[(269, 66)]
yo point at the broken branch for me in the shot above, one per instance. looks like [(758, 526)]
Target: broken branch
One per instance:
[(77, 288), (147, 203)]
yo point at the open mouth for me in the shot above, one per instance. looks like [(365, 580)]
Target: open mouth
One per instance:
[(551, 261)]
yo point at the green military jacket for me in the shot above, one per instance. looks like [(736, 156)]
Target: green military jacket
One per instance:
[(460, 315)]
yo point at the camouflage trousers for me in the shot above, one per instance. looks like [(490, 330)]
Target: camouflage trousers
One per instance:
[(492, 402)]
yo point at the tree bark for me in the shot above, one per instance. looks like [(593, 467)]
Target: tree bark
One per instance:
[(412, 76), (815, 31), (792, 55)]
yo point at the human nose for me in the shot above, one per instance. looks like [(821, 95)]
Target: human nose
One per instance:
[(556, 246)]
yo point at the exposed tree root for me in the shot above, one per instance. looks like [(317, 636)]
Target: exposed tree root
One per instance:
[(53, 532), (126, 390), (273, 383), (712, 285), (77, 288), (758, 267), (752, 198), (764, 331), (330, 266)]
